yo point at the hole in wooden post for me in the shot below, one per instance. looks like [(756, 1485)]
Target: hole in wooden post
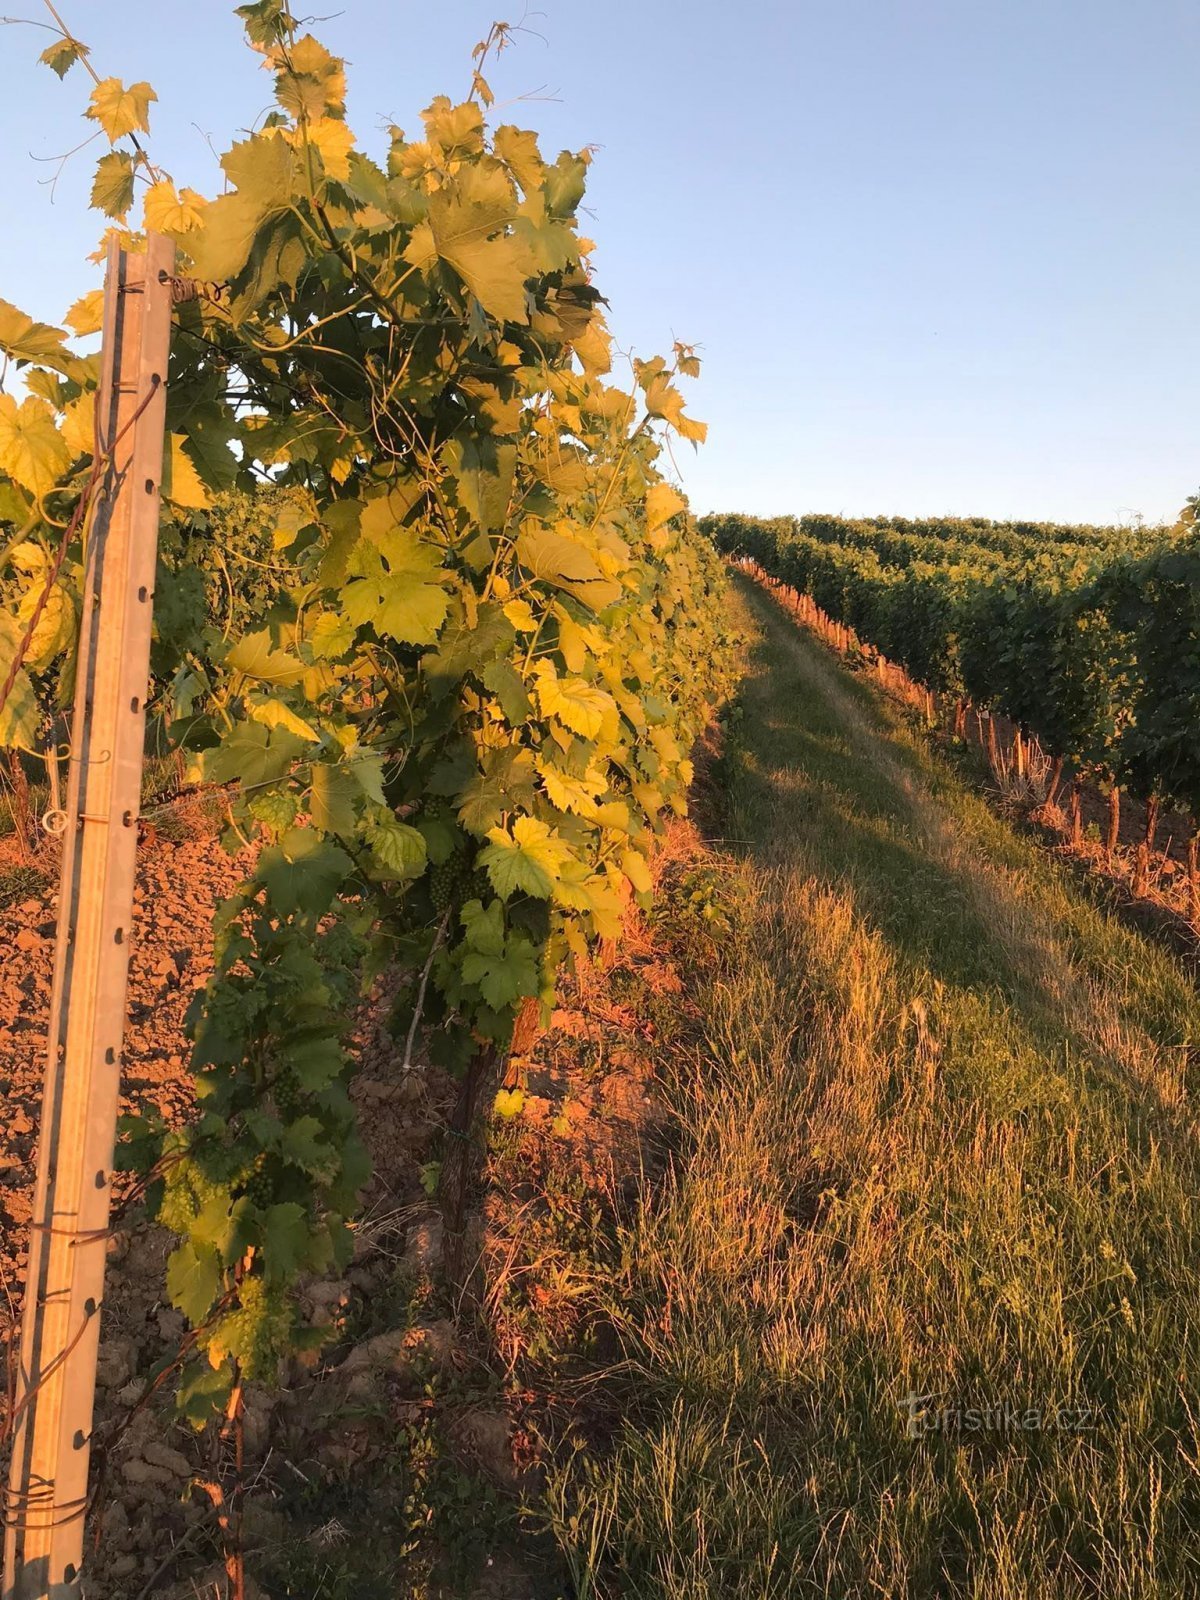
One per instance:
[(119, 936), (149, 485), (79, 1440), (89, 1307), (101, 1181), (143, 596), (127, 819), (134, 703), (110, 1055)]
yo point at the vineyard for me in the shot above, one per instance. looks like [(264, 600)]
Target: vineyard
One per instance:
[(1084, 637), (529, 1075)]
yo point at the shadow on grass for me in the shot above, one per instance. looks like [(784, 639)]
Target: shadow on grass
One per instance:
[(805, 788)]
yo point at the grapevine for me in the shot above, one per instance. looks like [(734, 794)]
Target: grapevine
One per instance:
[(450, 676)]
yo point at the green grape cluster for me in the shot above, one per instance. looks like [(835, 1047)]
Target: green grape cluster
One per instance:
[(187, 1190), (257, 1329), (287, 1094), (259, 1186), (443, 880)]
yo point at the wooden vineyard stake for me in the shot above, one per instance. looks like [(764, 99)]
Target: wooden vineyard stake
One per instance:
[(56, 1378)]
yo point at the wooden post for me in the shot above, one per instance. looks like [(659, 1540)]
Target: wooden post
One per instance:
[(56, 1377), (1114, 818)]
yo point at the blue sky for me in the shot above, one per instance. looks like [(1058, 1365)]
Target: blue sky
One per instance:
[(939, 255)]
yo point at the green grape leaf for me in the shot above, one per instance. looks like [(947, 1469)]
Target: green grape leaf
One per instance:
[(303, 1144), (463, 648), (204, 1391), (506, 683), (315, 1061), (285, 1240), (252, 754), (332, 799), (194, 1279), (506, 977), (303, 870), (398, 849), (504, 784)]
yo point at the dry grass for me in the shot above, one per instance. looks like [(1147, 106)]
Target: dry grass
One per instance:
[(935, 1137)]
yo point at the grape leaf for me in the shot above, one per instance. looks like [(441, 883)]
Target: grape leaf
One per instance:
[(285, 1240), (32, 451), (578, 705), (194, 1279), (181, 483), (112, 184), (120, 110), (62, 55), (529, 856)]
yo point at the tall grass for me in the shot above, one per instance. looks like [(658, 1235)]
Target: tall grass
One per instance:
[(936, 1138)]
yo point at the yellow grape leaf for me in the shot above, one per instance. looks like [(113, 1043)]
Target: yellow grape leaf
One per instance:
[(579, 890), (530, 858), (310, 81), (112, 186), (566, 792), (633, 865), (508, 1103), (32, 451), (592, 346), (275, 714), (520, 614), (19, 716), (87, 314), (662, 400), (518, 149), (26, 340), (662, 503), (577, 704), (120, 110), (55, 629), (254, 656), (29, 557), (181, 483), (334, 142), (166, 211), (79, 425)]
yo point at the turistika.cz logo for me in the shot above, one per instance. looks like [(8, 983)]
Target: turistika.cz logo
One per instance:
[(925, 1415)]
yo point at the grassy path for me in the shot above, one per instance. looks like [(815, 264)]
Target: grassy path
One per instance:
[(937, 1138)]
